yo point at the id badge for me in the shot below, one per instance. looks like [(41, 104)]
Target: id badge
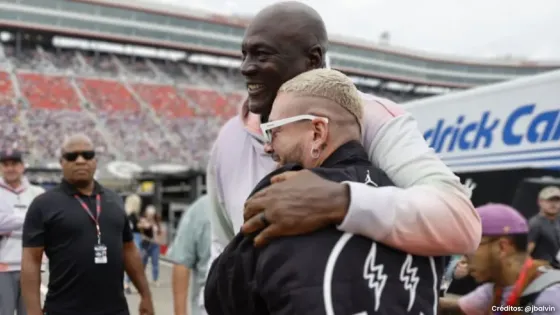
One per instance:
[(100, 254)]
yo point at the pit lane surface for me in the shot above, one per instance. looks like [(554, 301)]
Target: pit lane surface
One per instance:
[(162, 296)]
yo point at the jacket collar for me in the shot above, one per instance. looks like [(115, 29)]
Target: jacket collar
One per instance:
[(350, 153), (70, 189), (24, 185)]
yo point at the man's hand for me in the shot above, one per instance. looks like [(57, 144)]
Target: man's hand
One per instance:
[(296, 203), (146, 306), (461, 270)]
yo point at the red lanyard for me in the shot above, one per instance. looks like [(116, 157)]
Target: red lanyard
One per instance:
[(519, 284), (89, 212)]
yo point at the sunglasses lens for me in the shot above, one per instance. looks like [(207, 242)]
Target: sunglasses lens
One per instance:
[(71, 156), (88, 155)]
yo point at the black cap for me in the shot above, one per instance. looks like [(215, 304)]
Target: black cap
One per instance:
[(11, 155)]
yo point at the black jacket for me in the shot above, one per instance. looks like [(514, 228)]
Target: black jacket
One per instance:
[(325, 272)]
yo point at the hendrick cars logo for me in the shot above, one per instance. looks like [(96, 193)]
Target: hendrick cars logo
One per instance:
[(523, 125)]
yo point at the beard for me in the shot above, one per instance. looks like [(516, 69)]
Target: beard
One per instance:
[(295, 155)]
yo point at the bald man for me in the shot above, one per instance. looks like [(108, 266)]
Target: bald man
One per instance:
[(83, 229), (429, 212)]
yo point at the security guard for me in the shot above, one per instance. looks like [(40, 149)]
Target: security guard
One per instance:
[(83, 229)]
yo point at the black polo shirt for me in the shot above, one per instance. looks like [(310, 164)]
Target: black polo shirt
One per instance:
[(545, 233), (56, 221)]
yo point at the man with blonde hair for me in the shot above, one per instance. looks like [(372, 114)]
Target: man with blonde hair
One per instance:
[(315, 125), (323, 92)]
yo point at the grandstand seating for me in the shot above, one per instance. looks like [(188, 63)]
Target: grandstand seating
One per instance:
[(48, 91), (133, 108), (165, 100), (108, 95), (6, 88)]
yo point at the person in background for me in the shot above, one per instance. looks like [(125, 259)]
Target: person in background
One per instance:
[(83, 229), (17, 193), (190, 253), (454, 264), (460, 281), (150, 228), (132, 206), (544, 233), (503, 264)]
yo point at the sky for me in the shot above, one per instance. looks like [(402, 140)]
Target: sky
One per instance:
[(478, 28)]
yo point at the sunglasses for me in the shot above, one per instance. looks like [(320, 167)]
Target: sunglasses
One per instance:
[(73, 156), (266, 128)]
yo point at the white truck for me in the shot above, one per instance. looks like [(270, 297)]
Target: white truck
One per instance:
[(497, 136), (509, 125)]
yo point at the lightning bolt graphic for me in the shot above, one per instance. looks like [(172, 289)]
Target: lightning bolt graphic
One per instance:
[(374, 274), (410, 280)]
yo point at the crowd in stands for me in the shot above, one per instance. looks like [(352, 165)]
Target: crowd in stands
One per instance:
[(135, 109)]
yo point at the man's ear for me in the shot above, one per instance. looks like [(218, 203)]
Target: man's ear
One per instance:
[(315, 58), (320, 132)]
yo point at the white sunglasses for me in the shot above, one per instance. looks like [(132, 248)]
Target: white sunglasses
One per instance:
[(266, 128)]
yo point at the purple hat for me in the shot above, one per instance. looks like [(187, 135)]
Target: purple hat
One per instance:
[(499, 219)]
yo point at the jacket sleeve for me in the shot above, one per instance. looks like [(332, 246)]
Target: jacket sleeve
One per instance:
[(429, 212), (285, 279), (9, 220)]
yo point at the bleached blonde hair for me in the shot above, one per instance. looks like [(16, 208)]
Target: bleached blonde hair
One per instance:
[(132, 204), (329, 84)]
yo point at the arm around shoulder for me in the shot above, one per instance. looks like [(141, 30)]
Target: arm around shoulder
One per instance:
[(429, 212)]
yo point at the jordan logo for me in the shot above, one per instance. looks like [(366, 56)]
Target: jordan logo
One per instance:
[(368, 180)]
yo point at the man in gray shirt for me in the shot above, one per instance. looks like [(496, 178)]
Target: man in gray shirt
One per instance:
[(190, 252), (544, 233)]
